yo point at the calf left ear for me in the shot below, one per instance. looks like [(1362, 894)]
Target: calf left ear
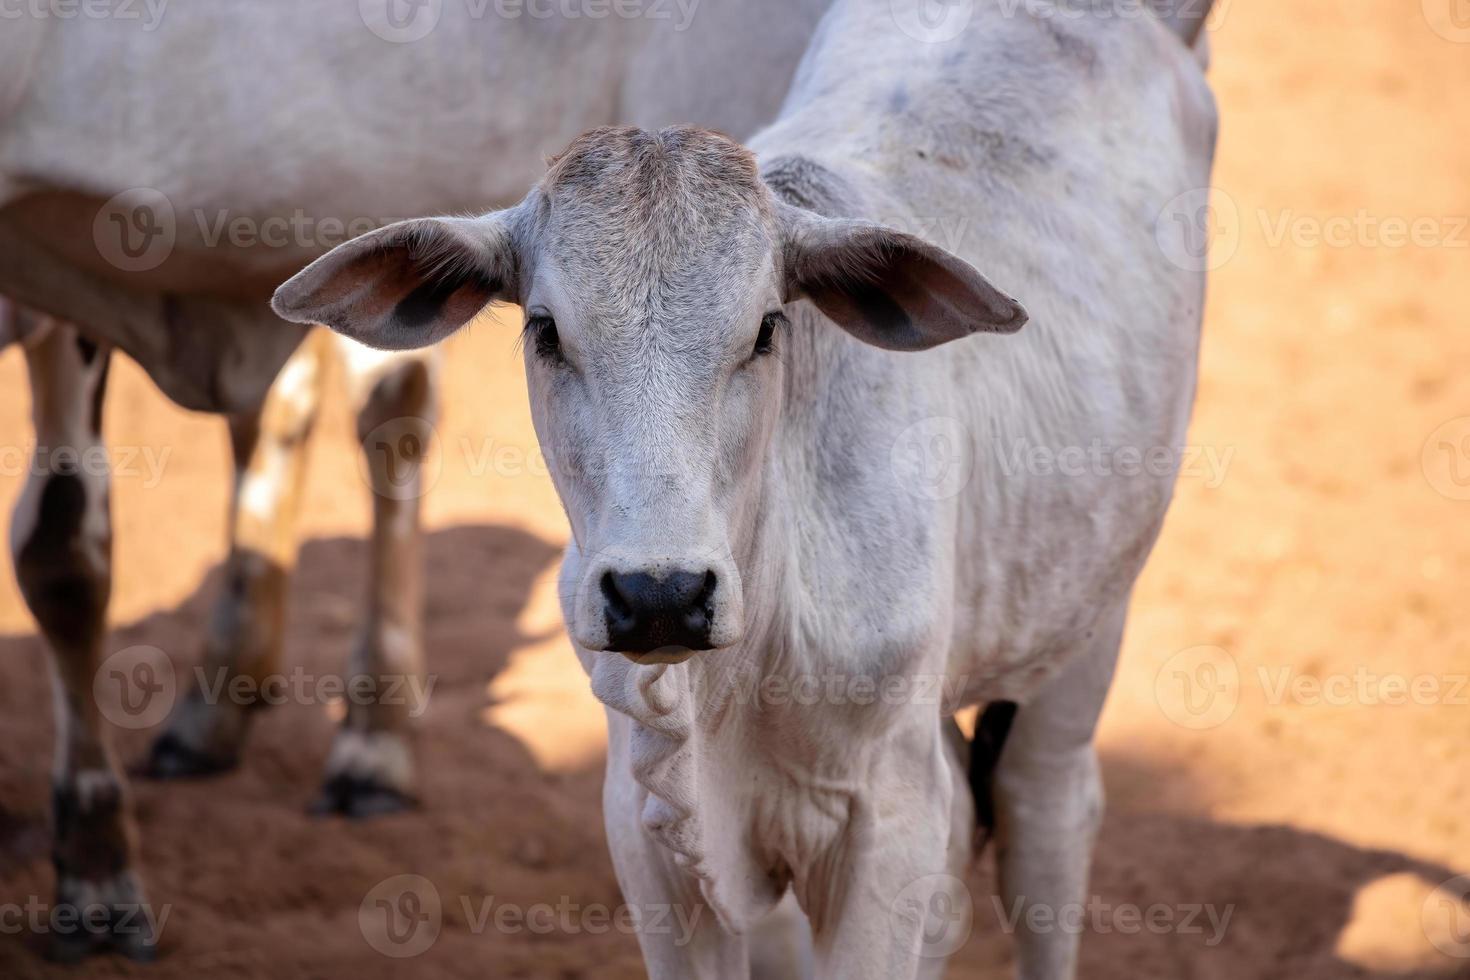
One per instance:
[(406, 285), (888, 288)]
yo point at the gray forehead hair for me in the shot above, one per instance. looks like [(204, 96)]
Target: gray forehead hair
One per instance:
[(656, 213)]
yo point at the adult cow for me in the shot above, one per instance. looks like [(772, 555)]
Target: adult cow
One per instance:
[(797, 522), (158, 178)]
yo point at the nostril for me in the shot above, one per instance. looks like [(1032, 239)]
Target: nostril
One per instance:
[(699, 614), (707, 593), (616, 603)]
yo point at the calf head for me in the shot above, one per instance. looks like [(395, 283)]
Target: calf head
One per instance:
[(655, 271)]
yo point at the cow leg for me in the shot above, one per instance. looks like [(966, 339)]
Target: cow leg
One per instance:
[(370, 768), (61, 540), (680, 936), (208, 729), (883, 904), (1049, 804), (781, 944)]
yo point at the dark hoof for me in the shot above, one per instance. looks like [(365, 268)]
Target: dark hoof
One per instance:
[(170, 758), (360, 799), (72, 949), (95, 929)]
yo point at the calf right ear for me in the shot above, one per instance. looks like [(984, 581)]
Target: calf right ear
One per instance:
[(887, 288), (407, 285)]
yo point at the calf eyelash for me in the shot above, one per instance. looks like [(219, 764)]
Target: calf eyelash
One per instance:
[(765, 339)]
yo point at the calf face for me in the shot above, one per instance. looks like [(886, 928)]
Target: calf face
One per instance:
[(657, 273)]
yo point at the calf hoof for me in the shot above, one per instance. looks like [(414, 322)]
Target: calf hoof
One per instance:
[(172, 758), (369, 773), (111, 916), (359, 798)]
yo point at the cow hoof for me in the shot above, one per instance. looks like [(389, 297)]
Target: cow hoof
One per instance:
[(72, 949), (102, 917), (170, 758), (360, 799)]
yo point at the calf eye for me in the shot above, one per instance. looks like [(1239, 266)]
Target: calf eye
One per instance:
[(765, 340), (544, 337)]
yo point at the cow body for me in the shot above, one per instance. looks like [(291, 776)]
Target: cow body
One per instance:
[(157, 178), (1046, 152)]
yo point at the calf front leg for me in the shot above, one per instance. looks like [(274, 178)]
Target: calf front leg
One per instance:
[(891, 904), (1049, 804), (61, 541), (247, 623), (679, 934), (370, 769)]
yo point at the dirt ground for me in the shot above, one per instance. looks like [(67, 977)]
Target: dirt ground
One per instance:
[(1259, 760)]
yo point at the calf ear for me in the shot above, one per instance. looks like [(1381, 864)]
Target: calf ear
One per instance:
[(407, 285), (887, 288)]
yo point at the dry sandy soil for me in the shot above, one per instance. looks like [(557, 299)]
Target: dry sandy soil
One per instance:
[(1332, 550)]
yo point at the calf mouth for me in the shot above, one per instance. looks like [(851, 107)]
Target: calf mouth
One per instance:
[(661, 655)]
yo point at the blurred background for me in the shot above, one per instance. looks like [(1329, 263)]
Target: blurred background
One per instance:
[(1286, 744)]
